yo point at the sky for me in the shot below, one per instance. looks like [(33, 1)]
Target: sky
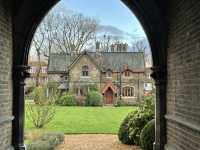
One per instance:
[(114, 17), (110, 13)]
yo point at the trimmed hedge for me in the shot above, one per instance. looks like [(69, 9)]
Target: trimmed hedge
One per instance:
[(147, 136), (94, 98)]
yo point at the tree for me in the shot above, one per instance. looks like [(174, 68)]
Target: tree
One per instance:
[(75, 32), (43, 41), (37, 43), (139, 46)]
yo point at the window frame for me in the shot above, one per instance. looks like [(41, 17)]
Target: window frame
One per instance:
[(128, 91), (85, 71)]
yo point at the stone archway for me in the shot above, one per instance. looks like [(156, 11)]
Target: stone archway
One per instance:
[(26, 17)]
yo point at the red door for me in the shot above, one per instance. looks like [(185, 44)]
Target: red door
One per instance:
[(109, 96)]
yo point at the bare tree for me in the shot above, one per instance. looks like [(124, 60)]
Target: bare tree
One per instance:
[(50, 27), (37, 44), (75, 33), (139, 46), (43, 41)]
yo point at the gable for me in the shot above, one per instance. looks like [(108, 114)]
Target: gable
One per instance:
[(84, 60)]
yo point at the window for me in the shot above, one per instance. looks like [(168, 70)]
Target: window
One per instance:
[(109, 74), (148, 86), (85, 71), (127, 73), (44, 69), (128, 91)]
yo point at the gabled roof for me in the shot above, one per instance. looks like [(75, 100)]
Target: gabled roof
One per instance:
[(115, 61), (58, 63), (81, 55), (111, 86)]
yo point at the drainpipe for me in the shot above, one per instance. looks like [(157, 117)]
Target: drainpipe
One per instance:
[(120, 82), (138, 88)]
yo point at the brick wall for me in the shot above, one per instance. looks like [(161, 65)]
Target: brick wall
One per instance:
[(183, 90), (5, 78)]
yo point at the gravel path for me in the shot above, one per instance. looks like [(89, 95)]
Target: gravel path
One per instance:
[(94, 142)]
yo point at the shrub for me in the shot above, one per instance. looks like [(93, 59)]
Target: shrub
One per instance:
[(39, 145), (43, 112), (93, 87), (53, 138), (123, 134), (124, 103), (80, 100), (133, 124), (38, 95), (48, 141), (136, 124), (67, 99), (94, 98), (147, 136), (40, 115)]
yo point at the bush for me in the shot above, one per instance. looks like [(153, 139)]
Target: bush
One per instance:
[(47, 141), (123, 103), (38, 95), (80, 100), (93, 87), (40, 115), (123, 134), (147, 136), (94, 98), (131, 127), (39, 145), (53, 138), (136, 124), (67, 99)]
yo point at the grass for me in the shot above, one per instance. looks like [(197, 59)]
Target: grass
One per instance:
[(77, 120)]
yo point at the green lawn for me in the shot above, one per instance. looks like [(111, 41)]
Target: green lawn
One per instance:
[(84, 120)]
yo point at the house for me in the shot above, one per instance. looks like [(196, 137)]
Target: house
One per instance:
[(117, 75), (43, 77)]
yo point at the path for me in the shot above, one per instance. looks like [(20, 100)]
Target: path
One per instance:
[(94, 142)]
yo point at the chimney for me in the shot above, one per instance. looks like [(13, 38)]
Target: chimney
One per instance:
[(112, 47), (97, 45)]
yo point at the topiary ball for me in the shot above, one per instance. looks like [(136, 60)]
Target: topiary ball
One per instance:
[(147, 136), (123, 133)]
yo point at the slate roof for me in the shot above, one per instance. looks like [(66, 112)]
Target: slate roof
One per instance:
[(115, 61), (58, 63)]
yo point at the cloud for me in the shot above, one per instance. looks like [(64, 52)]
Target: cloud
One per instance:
[(114, 31)]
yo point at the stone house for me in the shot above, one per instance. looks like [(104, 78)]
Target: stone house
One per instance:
[(116, 75)]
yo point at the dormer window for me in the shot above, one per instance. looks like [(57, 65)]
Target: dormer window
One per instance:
[(85, 71), (109, 74), (127, 73)]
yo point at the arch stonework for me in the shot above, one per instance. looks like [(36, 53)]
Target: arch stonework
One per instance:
[(28, 15)]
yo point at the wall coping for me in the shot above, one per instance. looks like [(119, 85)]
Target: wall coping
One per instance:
[(5, 119)]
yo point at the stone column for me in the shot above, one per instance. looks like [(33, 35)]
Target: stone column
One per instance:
[(159, 76), (19, 75)]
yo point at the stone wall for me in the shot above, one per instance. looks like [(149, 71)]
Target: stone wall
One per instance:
[(76, 73), (5, 77), (183, 89)]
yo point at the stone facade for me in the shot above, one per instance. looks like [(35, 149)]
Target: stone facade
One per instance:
[(126, 85), (183, 88), (5, 77)]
